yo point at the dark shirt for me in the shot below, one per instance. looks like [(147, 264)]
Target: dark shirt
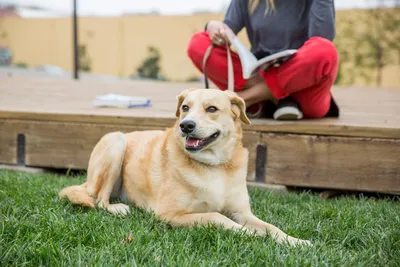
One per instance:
[(291, 24)]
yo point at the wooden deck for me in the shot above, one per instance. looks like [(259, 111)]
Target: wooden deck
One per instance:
[(52, 123)]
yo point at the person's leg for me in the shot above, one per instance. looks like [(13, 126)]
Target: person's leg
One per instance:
[(253, 91), (307, 77), (217, 63), (316, 100)]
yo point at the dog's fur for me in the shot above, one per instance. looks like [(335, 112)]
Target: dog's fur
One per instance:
[(155, 171)]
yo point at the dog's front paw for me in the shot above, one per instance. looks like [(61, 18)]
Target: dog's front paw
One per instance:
[(119, 209)]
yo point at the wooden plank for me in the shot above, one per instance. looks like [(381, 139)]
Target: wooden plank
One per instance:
[(146, 120), (364, 164), (8, 143), (250, 141), (362, 114), (68, 145), (260, 125), (329, 127), (57, 145)]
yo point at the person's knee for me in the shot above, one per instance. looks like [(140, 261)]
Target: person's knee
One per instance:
[(326, 49), (197, 45), (326, 54)]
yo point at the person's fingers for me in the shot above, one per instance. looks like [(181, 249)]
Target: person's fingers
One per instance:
[(225, 32), (226, 39), (222, 36), (217, 39), (216, 34), (220, 32)]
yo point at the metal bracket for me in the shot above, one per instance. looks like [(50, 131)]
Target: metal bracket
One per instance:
[(261, 161), (21, 149)]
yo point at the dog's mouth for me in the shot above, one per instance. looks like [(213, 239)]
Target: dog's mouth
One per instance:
[(196, 144)]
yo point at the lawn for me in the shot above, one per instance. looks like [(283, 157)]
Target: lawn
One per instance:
[(36, 228)]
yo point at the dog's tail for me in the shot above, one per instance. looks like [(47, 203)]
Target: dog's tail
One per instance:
[(78, 195)]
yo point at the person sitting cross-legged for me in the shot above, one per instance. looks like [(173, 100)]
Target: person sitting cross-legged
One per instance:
[(299, 87)]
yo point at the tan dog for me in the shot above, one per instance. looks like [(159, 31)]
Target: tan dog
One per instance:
[(192, 173)]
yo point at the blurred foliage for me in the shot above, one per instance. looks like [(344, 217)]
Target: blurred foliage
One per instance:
[(85, 63), (150, 67), (21, 65), (369, 42)]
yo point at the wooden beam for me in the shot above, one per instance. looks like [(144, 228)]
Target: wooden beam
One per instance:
[(68, 145), (362, 164), (71, 101), (8, 143), (55, 145), (323, 127), (251, 141)]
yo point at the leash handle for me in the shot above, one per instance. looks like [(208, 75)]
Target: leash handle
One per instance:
[(230, 67)]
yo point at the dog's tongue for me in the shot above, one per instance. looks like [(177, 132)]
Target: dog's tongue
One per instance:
[(193, 142)]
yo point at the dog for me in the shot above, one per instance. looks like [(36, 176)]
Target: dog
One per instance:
[(192, 173)]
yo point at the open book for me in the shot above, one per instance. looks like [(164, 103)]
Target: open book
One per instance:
[(250, 64)]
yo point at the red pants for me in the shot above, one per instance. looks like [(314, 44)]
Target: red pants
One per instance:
[(308, 76)]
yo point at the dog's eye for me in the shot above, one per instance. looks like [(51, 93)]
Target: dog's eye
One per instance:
[(211, 109), (185, 108)]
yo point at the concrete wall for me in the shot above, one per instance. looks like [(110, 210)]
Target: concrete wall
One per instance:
[(117, 45)]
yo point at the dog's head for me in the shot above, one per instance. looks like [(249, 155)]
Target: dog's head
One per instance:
[(209, 124)]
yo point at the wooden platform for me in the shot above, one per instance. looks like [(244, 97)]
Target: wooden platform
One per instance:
[(52, 123)]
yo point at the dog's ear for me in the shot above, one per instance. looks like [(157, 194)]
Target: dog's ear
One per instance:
[(180, 98), (238, 107)]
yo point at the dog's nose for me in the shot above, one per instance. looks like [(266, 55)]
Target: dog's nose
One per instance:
[(187, 126)]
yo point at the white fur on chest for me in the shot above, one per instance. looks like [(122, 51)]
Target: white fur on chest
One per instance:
[(209, 192)]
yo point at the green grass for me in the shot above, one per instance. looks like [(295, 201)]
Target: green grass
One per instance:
[(38, 229)]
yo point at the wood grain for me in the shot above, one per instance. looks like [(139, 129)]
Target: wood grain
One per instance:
[(68, 145), (8, 143), (57, 145), (358, 151), (365, 112), (250, 141), (364, 164)]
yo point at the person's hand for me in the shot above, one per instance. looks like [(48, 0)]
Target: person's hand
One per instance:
[(229, 32), (216, 31)]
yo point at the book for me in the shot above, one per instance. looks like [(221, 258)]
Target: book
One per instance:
[(121, 101), (252, 65)]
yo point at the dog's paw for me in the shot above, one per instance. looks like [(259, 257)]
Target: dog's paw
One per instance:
[(118, 209)]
